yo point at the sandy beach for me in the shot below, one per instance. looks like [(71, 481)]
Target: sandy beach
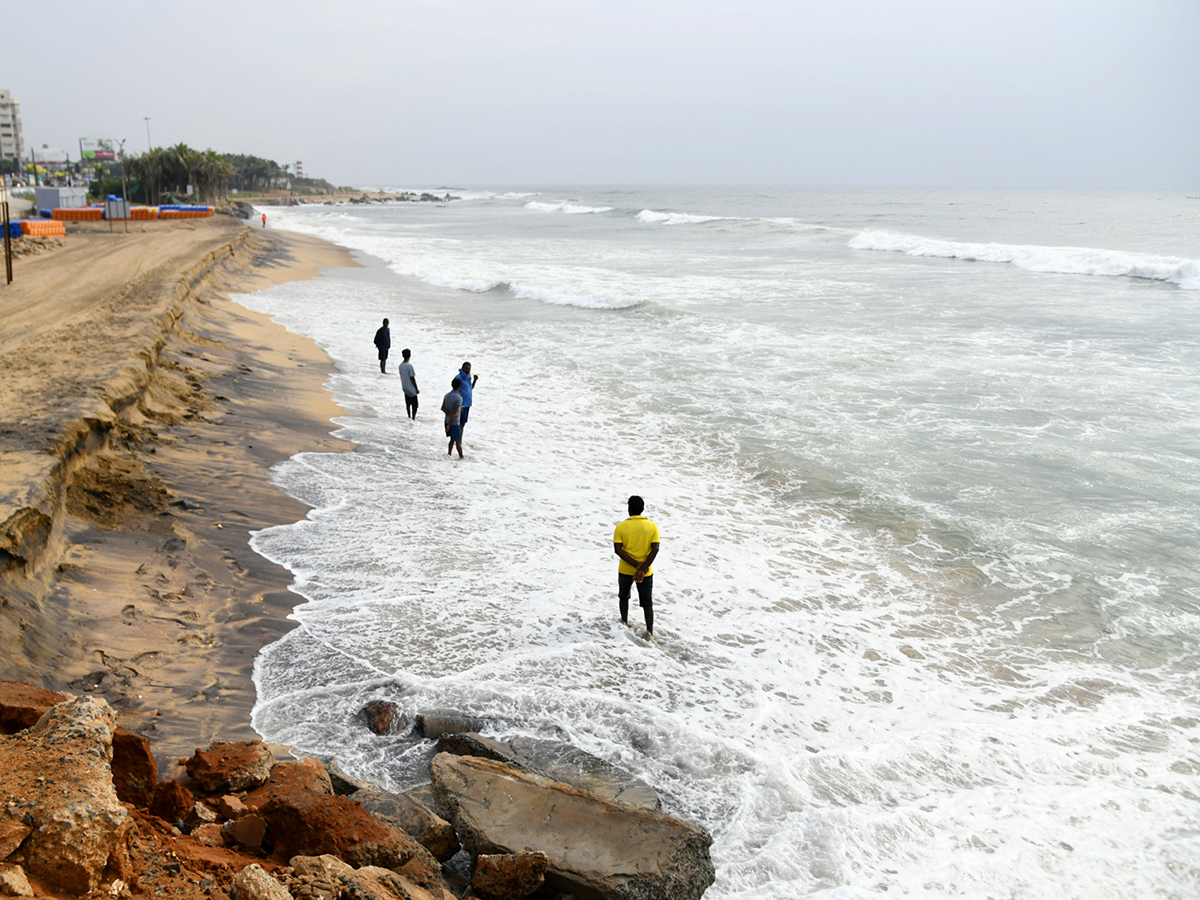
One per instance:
[(140, 411)]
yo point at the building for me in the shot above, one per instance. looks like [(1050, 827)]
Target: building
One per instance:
[(12, 144)]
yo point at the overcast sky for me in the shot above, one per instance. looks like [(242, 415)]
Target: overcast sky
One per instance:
[(413, 93)]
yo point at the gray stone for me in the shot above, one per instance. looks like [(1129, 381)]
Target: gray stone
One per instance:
[(559, 761), (595, 847), (433, 725)]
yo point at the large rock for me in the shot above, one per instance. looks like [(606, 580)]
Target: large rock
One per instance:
[(560, 762), (172, 801), (58, 776), (415, 817), (326, 876), (432, 725), (22, 704), (595, 848), (230, 767), (304, 824)]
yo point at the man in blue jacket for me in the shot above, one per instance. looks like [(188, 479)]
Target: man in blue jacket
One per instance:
[(468, 382)]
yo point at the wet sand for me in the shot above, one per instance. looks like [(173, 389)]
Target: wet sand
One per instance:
[(140, 411)]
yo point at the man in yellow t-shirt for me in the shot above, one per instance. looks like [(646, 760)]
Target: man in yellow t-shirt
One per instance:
[(635, 541)]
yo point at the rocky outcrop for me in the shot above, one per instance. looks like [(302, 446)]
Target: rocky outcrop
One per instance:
[(291, 776), (560, 762), (326, 876), (57, 777), (433, 725), (595, 847), (230, 767), (171, 802), (253, 883)]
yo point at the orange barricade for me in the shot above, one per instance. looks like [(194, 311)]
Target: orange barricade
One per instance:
[(85, 214), (144, 212), (43, 228), (185, 213)]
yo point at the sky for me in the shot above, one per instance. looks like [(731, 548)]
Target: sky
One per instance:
[(1083, 94)]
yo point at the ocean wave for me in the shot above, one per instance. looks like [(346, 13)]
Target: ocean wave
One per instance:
[(556, 295), (571, 209), (654, 217), (1057, 260)]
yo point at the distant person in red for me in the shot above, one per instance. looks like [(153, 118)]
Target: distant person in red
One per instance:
[(264, 220)]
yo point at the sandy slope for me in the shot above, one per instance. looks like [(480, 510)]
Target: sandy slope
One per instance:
[(139, 412)]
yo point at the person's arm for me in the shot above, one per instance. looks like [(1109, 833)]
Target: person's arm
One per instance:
[(446, 411), (414, 381), (642, 567), (474, 379), (619, 549)]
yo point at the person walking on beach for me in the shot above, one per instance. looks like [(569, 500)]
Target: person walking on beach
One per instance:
[(264, 220), (383, 340), (468, 383), (452, 407), (635, 541), (408, 382)]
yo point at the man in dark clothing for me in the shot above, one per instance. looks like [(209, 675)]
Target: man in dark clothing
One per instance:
[(383, 340)]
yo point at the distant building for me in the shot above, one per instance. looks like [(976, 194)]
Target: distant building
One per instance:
[(60, 197), (12, 144), (299, 169)]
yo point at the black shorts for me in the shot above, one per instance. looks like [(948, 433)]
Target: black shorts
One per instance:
[(410, 402), (645, 589)]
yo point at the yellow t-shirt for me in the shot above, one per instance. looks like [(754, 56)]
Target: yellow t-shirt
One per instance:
[(635, 535)]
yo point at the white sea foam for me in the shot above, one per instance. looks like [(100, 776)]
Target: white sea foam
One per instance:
[(654, 217), (927, 600), (1058, 260), (570, 209)]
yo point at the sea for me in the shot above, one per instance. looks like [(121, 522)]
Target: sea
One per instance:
[(926, 468)]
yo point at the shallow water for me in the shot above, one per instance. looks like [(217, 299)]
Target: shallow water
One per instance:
[(926, 467)]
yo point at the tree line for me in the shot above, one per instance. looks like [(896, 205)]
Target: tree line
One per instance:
[(167, 171)]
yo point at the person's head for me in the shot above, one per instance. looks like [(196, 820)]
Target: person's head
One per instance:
[(636, 505), (456, 383), (406, 353), (385, 323), (466, 367)]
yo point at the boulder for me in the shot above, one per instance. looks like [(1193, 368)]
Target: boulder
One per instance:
[(385, 717), (253, 883), (231, 807), (415, 817), (58, 773), (304, 824), (134, 769), (211, 834), (171, 802), (230, 767), (509, 876), (22, 704), (326, 876), (435, 724), (198, 815), (560, 762), (595, 847), (291, 776)]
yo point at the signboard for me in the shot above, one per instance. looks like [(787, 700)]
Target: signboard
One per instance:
[(48, 156), (98, 148), (116, 209)]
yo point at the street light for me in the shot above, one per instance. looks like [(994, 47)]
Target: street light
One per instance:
[(149, 146)]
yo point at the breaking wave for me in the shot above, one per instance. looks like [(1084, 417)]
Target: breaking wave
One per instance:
[(1058, 260)]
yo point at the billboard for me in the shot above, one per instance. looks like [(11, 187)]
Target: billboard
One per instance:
[(98, 148)]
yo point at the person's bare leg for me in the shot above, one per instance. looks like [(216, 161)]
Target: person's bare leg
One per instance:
[(649, 611), (623, 603), (383, 366), (458, 444), (450, 448)]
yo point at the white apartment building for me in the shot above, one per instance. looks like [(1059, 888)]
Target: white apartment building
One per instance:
[(12, 145)]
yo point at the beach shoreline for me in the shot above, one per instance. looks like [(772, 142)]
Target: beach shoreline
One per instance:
[(141, 411)]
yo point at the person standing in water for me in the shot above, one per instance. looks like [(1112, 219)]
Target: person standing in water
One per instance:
[(452, 406), (383, 341), (635, 541), (264, 220), (468, 384), (408, 382)]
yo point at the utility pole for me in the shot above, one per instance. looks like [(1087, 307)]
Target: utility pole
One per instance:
[(149, 146), (7, 236), (124, 186)]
